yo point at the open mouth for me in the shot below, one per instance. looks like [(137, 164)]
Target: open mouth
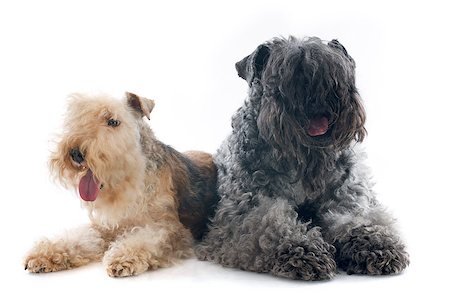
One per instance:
[(317, 126), (89, 187)]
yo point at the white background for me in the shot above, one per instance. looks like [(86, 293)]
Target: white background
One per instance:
[(182, 54)]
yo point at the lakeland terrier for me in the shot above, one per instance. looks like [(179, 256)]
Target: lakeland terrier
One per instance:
[(146, 201), (296, 200)]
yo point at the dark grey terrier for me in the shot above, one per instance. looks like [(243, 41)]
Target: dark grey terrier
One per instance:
[(296, 199)]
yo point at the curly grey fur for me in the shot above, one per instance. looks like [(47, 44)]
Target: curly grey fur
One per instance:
[(296, 205)]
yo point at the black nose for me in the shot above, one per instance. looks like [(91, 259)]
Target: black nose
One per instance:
[(77, 156)]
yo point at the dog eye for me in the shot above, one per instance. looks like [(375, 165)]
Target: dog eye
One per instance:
[(113, 123)]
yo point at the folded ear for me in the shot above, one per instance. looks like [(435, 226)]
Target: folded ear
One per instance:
[(251, 67), (337, 45), (141, 105)]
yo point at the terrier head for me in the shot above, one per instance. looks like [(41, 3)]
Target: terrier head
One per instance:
[(99, 152), (307, 93)]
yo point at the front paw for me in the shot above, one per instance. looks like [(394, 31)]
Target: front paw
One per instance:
[(123, 268), (372, 250), (47, 257), (125, 265), (310, 262)]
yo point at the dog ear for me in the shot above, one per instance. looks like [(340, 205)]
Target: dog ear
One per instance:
[(335, 44), (142, 105), (251, 67)]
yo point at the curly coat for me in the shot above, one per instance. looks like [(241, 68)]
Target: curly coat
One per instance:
[(293, 204)]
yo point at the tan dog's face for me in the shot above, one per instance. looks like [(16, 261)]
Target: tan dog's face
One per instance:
[(99, 152)]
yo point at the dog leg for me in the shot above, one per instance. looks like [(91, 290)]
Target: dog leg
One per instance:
[(76, 248), (270, 238), (364, 236), (149, 247)]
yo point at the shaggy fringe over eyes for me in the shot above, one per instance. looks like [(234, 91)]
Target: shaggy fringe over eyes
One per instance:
[(300, 83)]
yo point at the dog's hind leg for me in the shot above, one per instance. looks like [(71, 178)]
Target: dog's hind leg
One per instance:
[(73, 249)]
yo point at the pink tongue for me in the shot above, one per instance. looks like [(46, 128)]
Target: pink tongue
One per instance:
[(318, 126), (88, 187)]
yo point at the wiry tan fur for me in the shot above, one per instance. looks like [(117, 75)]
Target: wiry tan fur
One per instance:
[(152, 200)]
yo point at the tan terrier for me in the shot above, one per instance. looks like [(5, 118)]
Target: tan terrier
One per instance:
[(146, 201)]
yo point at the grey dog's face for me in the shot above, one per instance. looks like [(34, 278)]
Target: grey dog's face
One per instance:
[(308, 93)]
